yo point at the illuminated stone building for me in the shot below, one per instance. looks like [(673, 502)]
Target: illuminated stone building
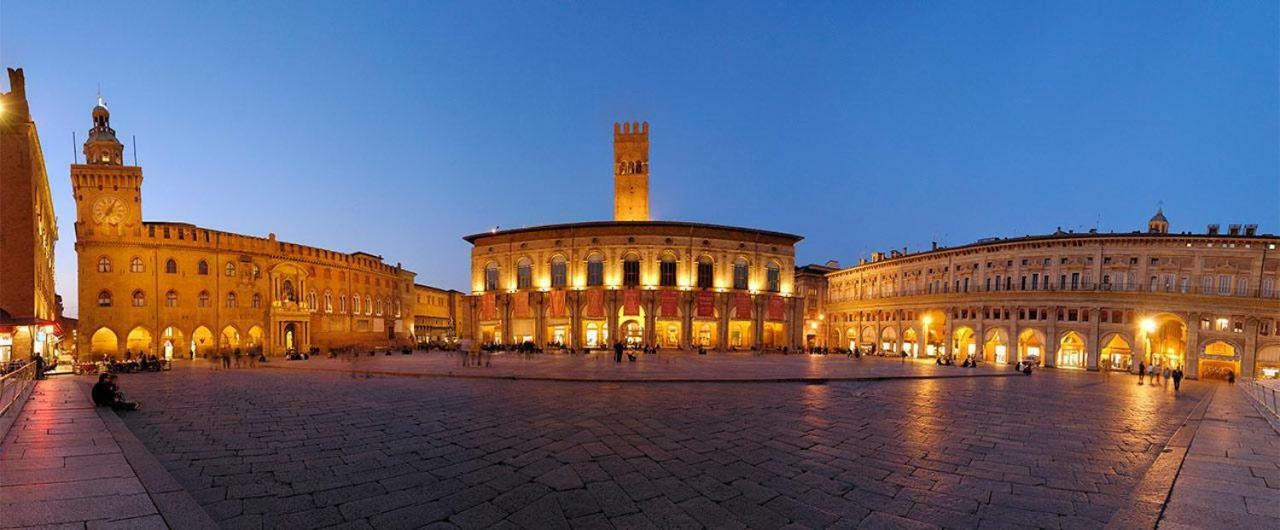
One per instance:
[(666, 283), (29, 309), (178, 290), (1090, 301), (436, 313)]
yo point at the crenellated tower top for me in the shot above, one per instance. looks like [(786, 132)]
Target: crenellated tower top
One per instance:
[(631, 171)]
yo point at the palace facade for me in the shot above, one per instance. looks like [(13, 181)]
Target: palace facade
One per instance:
[(178, 290), (1090, 301), (29, 307), (635, 280)]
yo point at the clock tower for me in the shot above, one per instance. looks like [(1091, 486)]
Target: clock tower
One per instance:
[(108, 193)]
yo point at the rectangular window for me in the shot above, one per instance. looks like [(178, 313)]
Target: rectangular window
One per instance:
[(559, 274), (773, 279), (595, 273), (1023, 283), (1075, 281), (997, 282), (1062, 282), (631, 273), (667, 274), (1224, 284), (1035, 281), (706, 274), (1242, 287)]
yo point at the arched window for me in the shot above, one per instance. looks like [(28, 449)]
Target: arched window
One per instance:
[(171, 298), (491, 277), (231, 269), (559, 272), (355, 303), (342, 303), (170, 266), (328, 302), (631, 270), (104, 264), (104, 298), (773, 277), (524, 274), (202, 268), (397, 305), (286, 291), (139, 299), (368, 304), (740, 273), (379, 307), (311, 301), (203, 299), (135, 265), (595, 270), (667, 270), (706, 272), (231, 299), (256, 301)]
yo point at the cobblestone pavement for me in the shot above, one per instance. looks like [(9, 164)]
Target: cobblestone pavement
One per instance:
[(266, 448), (667, 366)]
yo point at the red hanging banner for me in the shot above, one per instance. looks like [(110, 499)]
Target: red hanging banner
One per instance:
[(595, 303), (522, 305), (488, 307), (631, 302), (776, 311), (667, 301), (742, 306), (557, 303), (706, 304)]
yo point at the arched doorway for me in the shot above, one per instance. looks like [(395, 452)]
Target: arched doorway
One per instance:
[(290, 337), (911, 342), (964, 343), (933, 324), (1071, 351), (104, 342), (1116, 353), (202, 343), (229, 339), (633, 332), (138, 342), (1031, 345), (868, 339), (996, 346), (889, 340), (1219, 359), (170, 339), (1166, 339), (851, 337)]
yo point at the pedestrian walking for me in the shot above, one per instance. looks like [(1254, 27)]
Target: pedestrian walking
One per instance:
[(617, 352), (1142, 372), (1177, 380), (1164, 375)]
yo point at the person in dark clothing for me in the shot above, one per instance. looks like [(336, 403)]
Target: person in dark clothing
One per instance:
[(617, 352), (1177, 379), (39, 367), (1142, 372), (106, 394)]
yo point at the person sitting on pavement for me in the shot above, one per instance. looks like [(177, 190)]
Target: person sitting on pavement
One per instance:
[(106, 394)]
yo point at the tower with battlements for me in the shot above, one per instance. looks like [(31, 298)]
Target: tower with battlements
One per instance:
[(631, 171)]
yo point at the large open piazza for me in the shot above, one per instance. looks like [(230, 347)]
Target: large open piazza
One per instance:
[(311, 444)]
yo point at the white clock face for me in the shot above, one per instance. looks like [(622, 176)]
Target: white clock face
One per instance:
[(109, 210)]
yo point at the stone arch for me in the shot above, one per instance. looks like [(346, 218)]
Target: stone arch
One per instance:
[(139, 340), (888, 339), (868, 337), (1116, 352), (995, 345), (103, 342), (229, 338), (1219, 358), (1072, 350), (202, 341), (170, 344), (964, 342), (1268, 361), (254, 338), (1031, 343), (911, 341)]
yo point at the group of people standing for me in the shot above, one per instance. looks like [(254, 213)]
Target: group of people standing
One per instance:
[(1158, 373)]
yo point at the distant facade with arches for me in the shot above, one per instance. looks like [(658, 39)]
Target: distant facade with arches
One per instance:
[(1206, 302)]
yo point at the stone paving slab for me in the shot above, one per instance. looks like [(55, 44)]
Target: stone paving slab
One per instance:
[(1231, 473), (663, 367), (266, 448), (61, 465)]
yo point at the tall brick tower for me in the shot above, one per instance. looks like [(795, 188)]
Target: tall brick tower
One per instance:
[(631, 171), (108, 193)]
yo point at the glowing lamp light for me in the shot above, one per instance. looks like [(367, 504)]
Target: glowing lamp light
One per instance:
[(927, 320), (1147, 325)]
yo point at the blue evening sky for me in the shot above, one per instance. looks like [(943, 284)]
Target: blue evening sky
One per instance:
[(397, 128)]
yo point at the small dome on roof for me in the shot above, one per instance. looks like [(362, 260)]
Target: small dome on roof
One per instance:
[(1159, 216)]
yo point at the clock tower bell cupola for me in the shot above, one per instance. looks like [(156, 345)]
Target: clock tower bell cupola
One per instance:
[(108, 193)]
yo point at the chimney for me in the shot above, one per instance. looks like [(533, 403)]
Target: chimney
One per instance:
[(934, 245), (1250, 230), (1233, 230), (1213, 230)]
